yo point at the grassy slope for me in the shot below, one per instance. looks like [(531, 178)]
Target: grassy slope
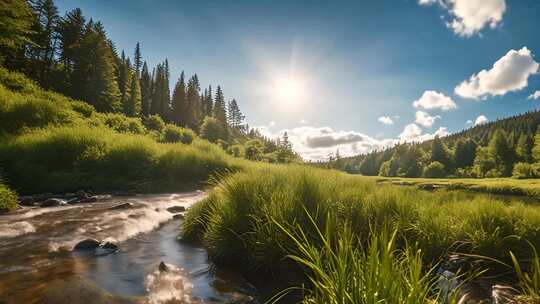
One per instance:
[(239, 223), (50, 143), (526, 187)]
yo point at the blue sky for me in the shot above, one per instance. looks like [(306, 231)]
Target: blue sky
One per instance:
[(326, 71)]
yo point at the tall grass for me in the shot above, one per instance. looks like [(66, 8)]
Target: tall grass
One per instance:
[(70, 158), (243, 219)]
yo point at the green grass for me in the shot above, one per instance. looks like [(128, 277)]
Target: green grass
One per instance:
[(8, 198), (50, 143), (503, 186), (240, 222)]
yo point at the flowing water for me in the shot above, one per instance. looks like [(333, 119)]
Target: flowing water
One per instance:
[(37, 264)]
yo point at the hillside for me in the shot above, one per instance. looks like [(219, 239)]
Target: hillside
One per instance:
[(500, 148)]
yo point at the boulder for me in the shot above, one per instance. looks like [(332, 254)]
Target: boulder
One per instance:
[(106, 248), (122, 206), (26, 201), (179, 216), (43, 196), (176, 209), (86, 200), (163, 267), (81, 194), (88, 244), (53, 202)]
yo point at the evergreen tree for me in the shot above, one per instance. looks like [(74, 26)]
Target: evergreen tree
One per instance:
[(464, 153), (179, 103), (132, 103), (234, 116), (146, 90), (208, 102), (15, 28), (137, 60), (43, 50), (439, 152), (501, 152), (219, 110), (94, 71), (524, 148), (70, 33), (285, 143), (193, 103)]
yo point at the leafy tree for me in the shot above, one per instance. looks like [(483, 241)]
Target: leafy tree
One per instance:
[(483, 162), (15, 27), (434, 170), (212, 130), (253, 149)]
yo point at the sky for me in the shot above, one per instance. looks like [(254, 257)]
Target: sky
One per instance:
[(349, 75)]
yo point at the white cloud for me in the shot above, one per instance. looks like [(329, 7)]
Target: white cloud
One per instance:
[(316, 143), (413, 133), (509, 73), (534, 95), (385, 120), (303, 121), (468, 122), (424, 119), (469, 17), (434, 100), (480, 120)]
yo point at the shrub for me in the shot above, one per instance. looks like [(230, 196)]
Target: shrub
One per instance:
[(154, 122), (212, 130), (174, 134), (525, 170), (434, 170), (8, 198), (123, 124)]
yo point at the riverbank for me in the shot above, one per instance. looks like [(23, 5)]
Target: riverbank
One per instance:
[(251, 220)]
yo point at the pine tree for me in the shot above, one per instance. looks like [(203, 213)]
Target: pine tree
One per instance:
[(193, 103), (501, 152), (234, 116), (285, 143), (157, 92), (70, 33), (132, 103), (137, 60), (524, 148), (178, 103), (146, 90), (208, 102), (440, 153), (219, 111), (94, 71), (464, 153), (15, 28)]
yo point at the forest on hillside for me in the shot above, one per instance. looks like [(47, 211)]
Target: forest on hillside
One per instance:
[(73, 55), (503, 148)]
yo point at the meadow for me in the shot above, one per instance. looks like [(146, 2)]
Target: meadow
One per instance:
[(345, 231)]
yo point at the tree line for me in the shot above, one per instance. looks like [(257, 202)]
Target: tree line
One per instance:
[(73, 56), (504, 148)]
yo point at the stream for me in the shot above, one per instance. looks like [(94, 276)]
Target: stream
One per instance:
[(37, 264)]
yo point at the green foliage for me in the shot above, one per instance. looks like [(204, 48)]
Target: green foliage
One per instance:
[(464, 153), (154, 122), (501, 152), (174, 134), (8, 198), (529, 280), (212, 130), (237, 226), (526, 170), (123, 124), (434, 170), (15, 27)]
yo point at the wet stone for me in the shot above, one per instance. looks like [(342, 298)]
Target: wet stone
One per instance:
[(53, 202), (88, 244), (176, 209)]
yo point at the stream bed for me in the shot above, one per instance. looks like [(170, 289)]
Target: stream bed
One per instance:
[(38, 265)]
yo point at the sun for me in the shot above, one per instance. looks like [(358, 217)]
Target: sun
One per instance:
[(290, 89)]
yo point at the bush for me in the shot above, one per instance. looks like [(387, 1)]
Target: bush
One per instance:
[(8, 199), (123, 124), (212, 130), (154, 122), (174, 134), (526, 170), (434, 170)]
